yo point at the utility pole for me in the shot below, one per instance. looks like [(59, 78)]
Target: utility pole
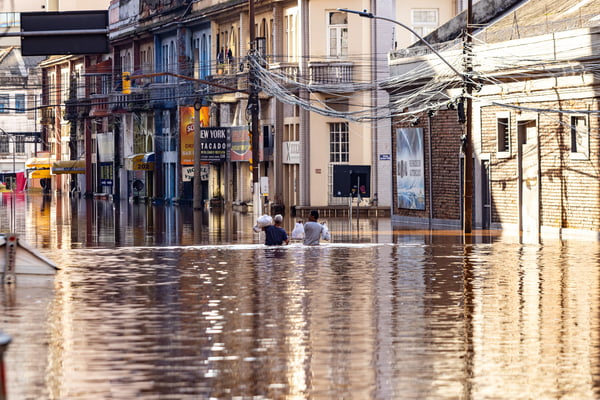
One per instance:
[(253, 108), (468, 140), (197, 188), (464, 115)]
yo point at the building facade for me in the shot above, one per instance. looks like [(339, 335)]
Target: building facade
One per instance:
[(20, 82), (317, 70), (534, 121)]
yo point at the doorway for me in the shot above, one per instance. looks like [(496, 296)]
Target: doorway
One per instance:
[(529, 181)]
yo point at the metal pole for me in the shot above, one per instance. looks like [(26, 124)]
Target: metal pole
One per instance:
[(253, 104), (197, 189), (14, 189), (468, 150)]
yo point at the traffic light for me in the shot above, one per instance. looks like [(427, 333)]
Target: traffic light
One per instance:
[(126, 83)]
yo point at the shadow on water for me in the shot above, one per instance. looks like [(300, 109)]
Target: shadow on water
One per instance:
[(147, 307)]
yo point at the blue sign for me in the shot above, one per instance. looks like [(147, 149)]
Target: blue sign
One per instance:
[(385, 157)]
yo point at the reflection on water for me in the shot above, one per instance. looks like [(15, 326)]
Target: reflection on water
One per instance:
[(218, 315)]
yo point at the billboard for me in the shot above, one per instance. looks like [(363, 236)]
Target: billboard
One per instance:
[(186, 132), (410, 171), (67, 32)]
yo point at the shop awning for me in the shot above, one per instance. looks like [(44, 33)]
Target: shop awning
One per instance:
[(140, 162), (68, 167), (38, 163), (148, 158), (39, 173)]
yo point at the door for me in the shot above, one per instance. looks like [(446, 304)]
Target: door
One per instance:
[(529, 182), (486, 198)]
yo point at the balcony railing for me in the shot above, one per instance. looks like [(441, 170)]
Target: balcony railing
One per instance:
[(288, 70), (139, 100), (324, 72), (118, 102), (219, 84), (169, 95), (99, 105), (48, 116)]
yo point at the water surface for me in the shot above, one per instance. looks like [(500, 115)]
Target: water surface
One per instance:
[(145, 306)]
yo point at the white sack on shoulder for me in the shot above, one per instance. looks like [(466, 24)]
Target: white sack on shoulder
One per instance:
[(264, 220), (298, 232), (261, 222), (325, 232)]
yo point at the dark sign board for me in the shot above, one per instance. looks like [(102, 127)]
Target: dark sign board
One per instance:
[(68, 32), (351, 180), (214, 144)]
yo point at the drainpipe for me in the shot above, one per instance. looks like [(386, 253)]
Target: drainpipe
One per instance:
[(375, 101), (304, 114)]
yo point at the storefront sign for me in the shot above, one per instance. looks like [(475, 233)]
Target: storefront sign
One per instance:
[(186, 131), (291, 152), (187, 173), (214, 144)]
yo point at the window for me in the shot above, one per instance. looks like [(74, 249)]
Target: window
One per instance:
[(19, 103), (291, 40), (168, 58), (79, 81), (52, 88), (337, 34), (144, 60), (8, 19), (338, 142), (503, 135), (424, 21), (19, 144), (580, 137), (4, 99), (4, 144), (64, 84)]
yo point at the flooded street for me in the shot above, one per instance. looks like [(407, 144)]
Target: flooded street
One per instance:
[(159, 302)]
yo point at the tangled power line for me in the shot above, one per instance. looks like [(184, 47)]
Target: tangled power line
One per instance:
[(427, 86), (423, 86)]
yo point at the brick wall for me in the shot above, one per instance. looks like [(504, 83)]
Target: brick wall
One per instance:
[(569, 188), (445, 167)]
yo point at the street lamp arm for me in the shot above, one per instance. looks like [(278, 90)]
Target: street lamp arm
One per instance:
[(366, 14)]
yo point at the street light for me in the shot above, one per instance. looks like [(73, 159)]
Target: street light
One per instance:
[(468, 151), (373, 16)]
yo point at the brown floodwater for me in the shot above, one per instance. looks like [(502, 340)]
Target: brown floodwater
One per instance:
[(147, 306)]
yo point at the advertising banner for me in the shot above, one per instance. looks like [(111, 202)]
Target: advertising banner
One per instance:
[(410, 174), (240, 144), (186, 131)]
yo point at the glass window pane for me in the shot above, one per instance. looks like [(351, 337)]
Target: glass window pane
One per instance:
[(344, 42), (338, 18)]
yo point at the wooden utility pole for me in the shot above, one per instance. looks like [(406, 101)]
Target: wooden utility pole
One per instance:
[(468, 140)]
